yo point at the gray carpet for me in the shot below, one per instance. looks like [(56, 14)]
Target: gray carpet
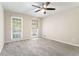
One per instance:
[(40, 47)]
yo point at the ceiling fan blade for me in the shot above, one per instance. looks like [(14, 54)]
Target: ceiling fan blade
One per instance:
[(47, 3), (36, 6), (37, 11), (50, 9)]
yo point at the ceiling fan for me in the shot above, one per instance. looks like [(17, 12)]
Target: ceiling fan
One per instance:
[(44, 7)]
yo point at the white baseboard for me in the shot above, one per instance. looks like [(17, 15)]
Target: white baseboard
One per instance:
[(14, 41)]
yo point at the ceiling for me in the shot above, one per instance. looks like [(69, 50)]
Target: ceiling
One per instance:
[(27, 8)]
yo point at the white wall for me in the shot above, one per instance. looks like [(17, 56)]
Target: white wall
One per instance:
[(63, 26), (1, 28), (27, 25)]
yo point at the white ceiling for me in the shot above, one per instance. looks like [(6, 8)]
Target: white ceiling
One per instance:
[(27, 8)]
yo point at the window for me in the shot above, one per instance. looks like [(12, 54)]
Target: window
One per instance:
[(16, 27), (35, 28)]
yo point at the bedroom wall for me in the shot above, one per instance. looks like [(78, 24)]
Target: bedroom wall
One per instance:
[(26, 25), (1, 27), (63, 26)]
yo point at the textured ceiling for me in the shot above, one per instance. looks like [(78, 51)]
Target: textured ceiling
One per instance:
[(27, 8)]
